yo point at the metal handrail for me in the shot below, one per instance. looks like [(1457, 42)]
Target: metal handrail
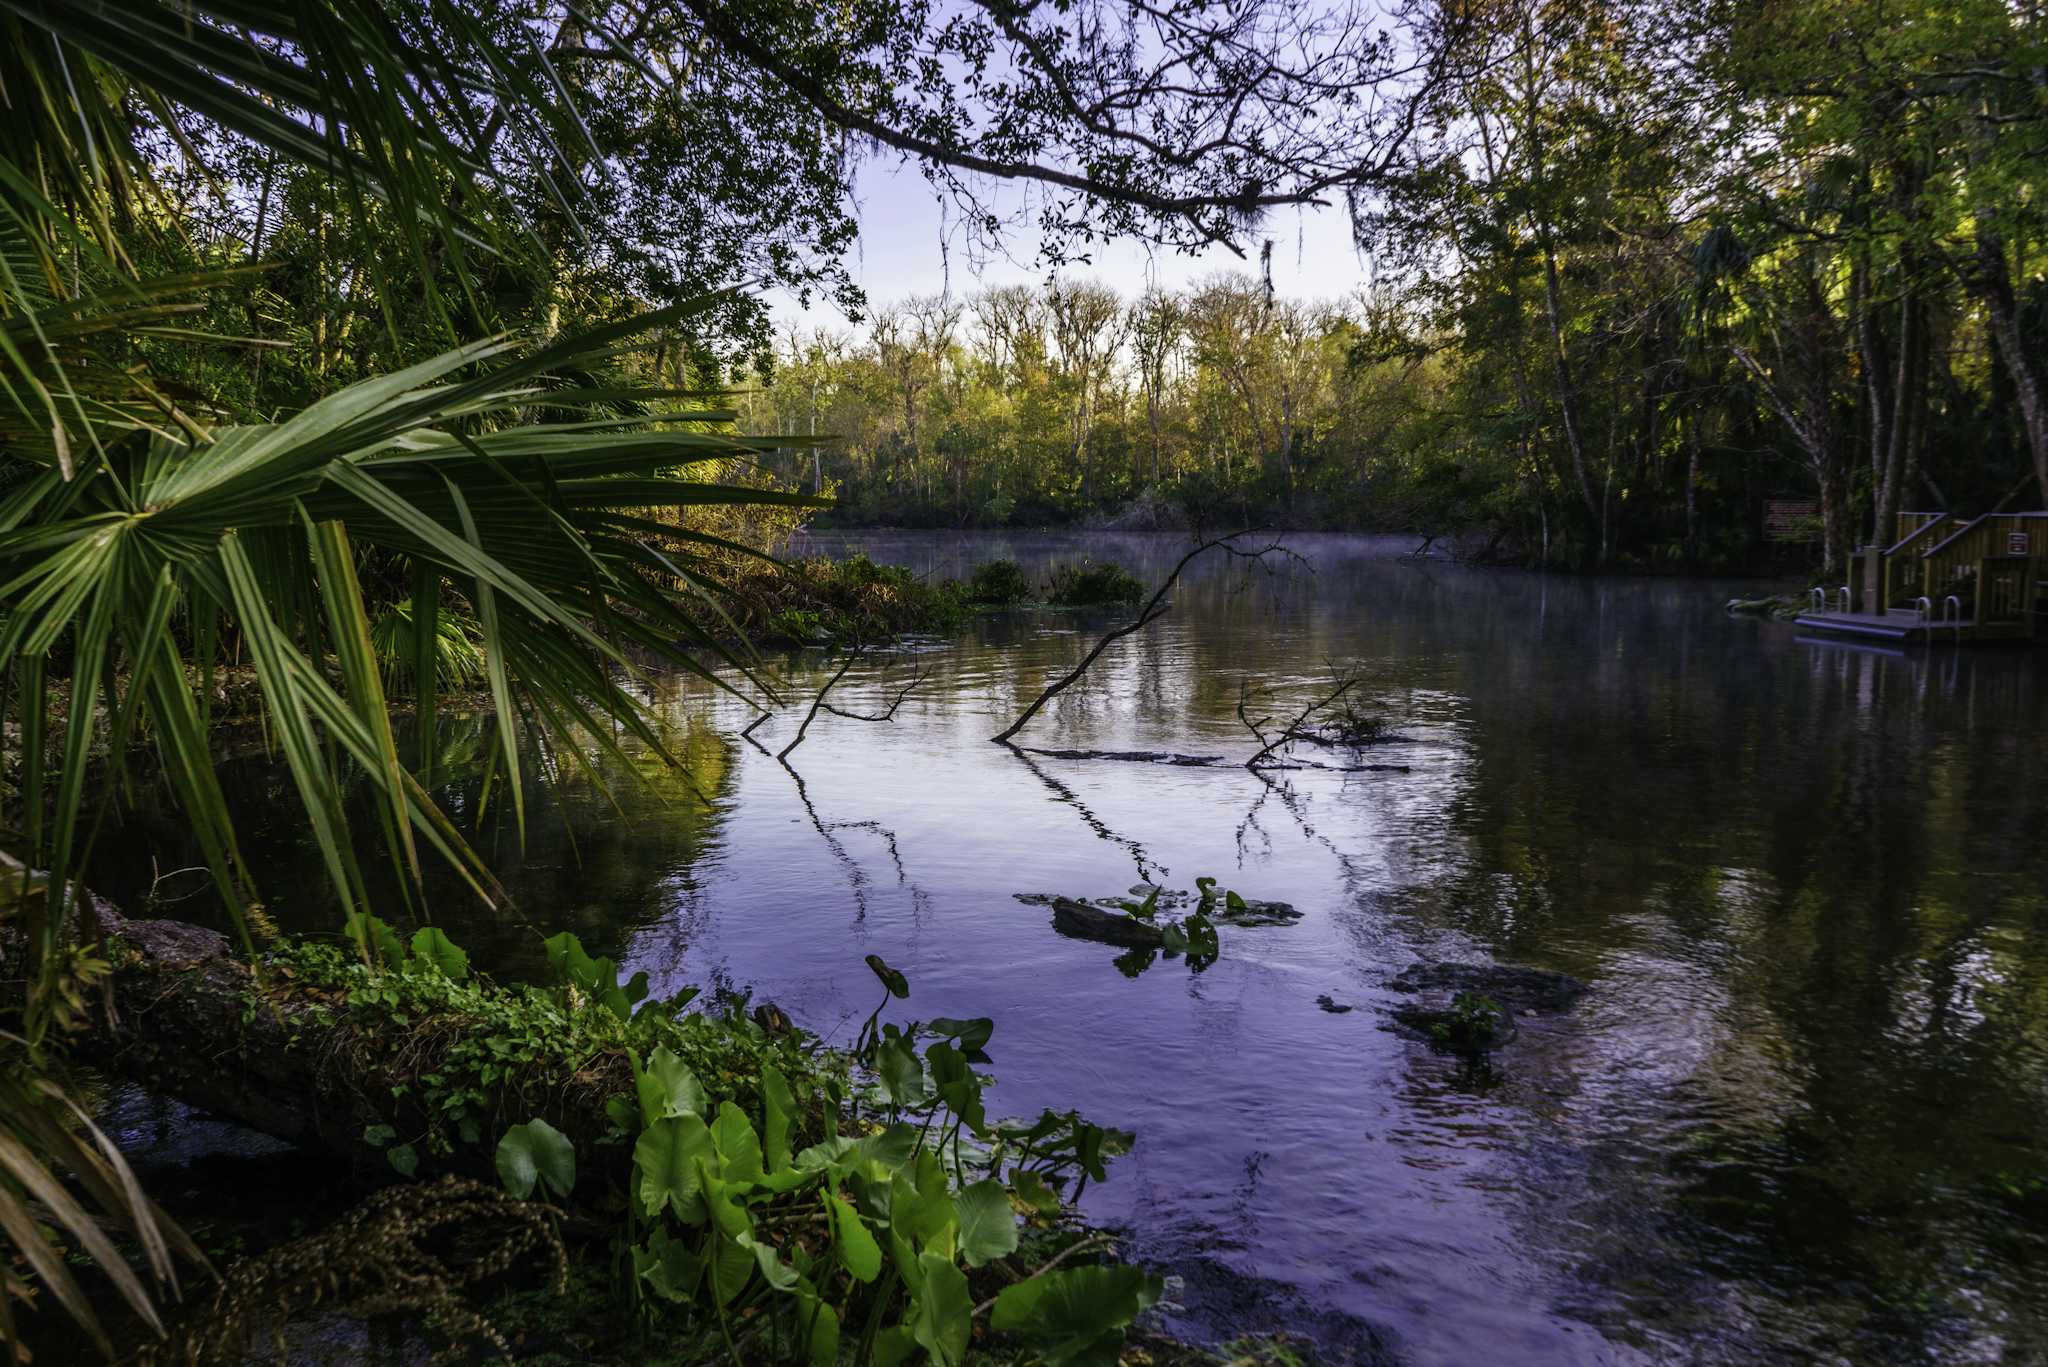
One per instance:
[(1847, 598), (1926, 605), (1820, 599), (1957, 615)]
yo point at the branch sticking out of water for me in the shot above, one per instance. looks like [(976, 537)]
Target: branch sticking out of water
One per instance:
[(1155, 608), (819, 702), (888, 713), (1296, 730)]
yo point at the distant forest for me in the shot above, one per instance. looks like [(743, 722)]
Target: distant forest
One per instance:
[(1642, 270)]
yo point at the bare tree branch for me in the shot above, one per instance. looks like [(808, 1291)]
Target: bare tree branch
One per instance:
[(1155, 608), (817, 703), (1294, 730), (888, 713)]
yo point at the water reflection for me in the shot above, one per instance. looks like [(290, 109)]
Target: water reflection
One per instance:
[(1805, 883)]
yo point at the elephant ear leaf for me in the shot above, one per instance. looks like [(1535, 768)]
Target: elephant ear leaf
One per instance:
[(536, 1153), (988, 1224), (431, 946), (1076, 1316), (666, 1159), (942, 1318)]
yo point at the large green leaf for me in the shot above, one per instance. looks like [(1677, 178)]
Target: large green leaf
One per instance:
[(944, 1313), (666, 1161), (1075, 1315), (777, 1108), (669, 1088), (988, 1224), (536, 1152), (737, 1146), (857, 1246), (432, 947)]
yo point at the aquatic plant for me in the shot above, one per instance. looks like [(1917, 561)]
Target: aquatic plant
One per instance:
[(863, 1245), (809, 1201), (1472, 1023)]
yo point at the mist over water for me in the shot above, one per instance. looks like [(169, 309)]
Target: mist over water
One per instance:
[(1807, 884)]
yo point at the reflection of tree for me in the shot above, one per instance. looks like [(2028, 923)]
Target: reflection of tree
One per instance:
[(1813, 892), (605, 851)]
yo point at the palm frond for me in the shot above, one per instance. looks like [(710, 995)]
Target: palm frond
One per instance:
[(255, 532)]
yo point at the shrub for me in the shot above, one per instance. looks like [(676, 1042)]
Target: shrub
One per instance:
[(1092, 585), (1000, 583)]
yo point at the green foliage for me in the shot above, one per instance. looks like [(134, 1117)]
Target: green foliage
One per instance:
[(458, 655), (999, 583), (815, 601), (1093, 585), (876, 1227), (536, 1153), (469, 1058), (1473, 1023)]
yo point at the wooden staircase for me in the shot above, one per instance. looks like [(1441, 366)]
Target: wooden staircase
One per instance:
[(1945, 578)]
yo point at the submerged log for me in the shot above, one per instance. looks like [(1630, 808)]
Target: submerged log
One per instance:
[(1085, 922)]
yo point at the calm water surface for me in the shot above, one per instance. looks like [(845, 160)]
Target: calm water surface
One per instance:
[(1808, 885)]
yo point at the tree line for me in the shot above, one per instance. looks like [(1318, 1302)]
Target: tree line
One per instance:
[(1641, 269)]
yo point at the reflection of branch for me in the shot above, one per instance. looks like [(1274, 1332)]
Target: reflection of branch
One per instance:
[(1293, 731), (1094, 823), (1291, 802), (1155, 608), (856, 876)]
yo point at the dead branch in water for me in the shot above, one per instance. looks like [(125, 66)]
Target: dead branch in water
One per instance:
[(1295, 730), (1155, 608), (888, 713), (819, 703)]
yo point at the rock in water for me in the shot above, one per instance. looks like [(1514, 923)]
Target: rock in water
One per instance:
[(1472, 1008), (1536, 991)]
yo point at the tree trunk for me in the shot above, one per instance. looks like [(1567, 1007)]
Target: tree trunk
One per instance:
[(1994, 283)]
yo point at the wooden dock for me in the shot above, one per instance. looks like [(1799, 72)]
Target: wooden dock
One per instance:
[(1906, 625), (1945, 579)]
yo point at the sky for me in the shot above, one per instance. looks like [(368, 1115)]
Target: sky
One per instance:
[(910, 244)]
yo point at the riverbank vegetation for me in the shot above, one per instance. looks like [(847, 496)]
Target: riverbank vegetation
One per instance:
[(366, 353), (352, 323), (1643, 269)]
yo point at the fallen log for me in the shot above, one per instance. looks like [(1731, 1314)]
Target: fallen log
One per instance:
[(1085, 922), (421, 1083)]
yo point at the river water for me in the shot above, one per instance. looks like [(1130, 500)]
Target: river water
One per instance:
[(1795, 1118)]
